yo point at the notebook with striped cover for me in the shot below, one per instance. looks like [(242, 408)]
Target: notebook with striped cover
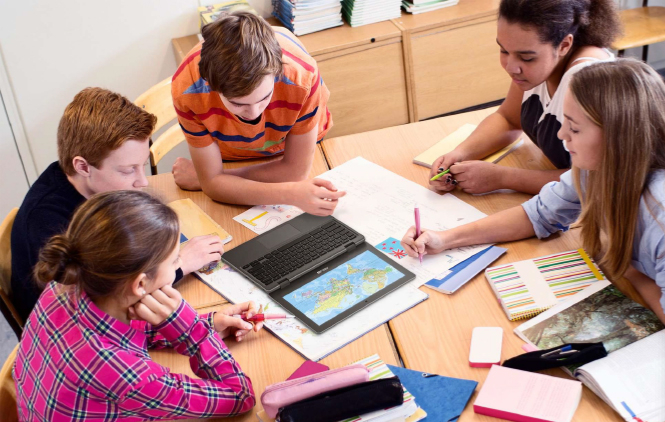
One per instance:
[(527, 288)]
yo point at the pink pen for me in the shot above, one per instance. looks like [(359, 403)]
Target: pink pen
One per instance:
[(416, 213)]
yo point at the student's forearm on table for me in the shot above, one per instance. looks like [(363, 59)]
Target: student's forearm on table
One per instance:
[(492, 134), (504, 226), (273, 172), (528, 181), (236, 190), (649, 290)]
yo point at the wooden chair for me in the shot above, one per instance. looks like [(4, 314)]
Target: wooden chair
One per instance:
[(165, 143), (641, 26), (157, 100), (6, 305), (8, 408)]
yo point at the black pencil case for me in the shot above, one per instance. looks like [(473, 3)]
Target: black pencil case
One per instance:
[(347, 402), (535, 361)]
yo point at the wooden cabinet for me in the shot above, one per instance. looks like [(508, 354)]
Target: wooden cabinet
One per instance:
[(453, 57), (364, 70), (408, 69)]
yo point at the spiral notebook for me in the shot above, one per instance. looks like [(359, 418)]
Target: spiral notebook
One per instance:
[(527, 288)]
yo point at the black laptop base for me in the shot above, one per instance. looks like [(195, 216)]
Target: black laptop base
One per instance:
[(275, 259)]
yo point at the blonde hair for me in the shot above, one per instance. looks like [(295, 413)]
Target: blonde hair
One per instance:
[(626, 99), (238, 51)]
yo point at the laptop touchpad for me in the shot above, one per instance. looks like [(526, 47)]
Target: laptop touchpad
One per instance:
[(280, 234)]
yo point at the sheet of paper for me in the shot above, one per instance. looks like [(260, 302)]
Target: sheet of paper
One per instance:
[(236, 288), (379, 204), (632, 378), (262, 218)]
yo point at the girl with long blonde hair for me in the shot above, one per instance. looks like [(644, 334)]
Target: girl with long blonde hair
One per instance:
[(614, 129)]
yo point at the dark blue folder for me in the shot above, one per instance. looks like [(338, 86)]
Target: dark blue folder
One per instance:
[(442, 398)]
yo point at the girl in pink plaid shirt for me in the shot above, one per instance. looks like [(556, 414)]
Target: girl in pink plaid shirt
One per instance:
[(84, 350)]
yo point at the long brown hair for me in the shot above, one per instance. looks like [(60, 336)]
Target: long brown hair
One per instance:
[(626, 98), (112, 238), (99, 121), (590, 22)]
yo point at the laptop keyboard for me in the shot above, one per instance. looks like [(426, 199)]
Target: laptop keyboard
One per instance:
[(297, 254)]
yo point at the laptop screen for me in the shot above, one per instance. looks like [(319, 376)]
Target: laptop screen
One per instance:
[(339, 289)]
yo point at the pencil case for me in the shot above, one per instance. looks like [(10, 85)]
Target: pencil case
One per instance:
[(545, 359), (284, 393), (345, 403)]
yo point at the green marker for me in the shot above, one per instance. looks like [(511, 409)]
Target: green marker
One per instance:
[(439, 175)]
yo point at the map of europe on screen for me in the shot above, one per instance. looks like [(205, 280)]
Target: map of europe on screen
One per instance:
[(338, 290)]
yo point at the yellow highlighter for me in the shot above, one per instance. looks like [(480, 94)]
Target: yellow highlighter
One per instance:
[(439, 175)]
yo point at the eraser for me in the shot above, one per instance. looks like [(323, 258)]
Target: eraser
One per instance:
[(485, 347)]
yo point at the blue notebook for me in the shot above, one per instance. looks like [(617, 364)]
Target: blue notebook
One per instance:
[(461, 273), (442, 398)]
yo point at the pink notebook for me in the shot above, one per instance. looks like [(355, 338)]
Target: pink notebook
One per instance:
[(523, 396)]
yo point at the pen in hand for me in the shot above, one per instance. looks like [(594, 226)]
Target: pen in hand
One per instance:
[(439, 175), (416, 212)]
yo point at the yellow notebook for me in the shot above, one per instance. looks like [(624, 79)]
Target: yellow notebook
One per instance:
[(451, 142), (194, 222)]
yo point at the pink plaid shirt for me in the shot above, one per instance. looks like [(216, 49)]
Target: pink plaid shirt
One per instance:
[(75, 363)]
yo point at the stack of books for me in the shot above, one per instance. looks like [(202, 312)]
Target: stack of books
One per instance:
[(307, 16), (210, 13), (364, 12), (421, 6)]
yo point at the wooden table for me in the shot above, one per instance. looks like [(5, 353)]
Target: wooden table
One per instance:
[(262, 356), (435, 335)]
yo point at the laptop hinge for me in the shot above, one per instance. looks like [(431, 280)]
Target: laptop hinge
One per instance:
[(283, 283), (350, 246)]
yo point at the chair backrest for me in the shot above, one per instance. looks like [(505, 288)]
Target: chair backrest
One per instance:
[(157, 100), (6, 252), (165, 143), (8, 408), (6, 272)]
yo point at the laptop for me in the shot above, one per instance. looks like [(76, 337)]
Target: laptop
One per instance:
[(318, 268)]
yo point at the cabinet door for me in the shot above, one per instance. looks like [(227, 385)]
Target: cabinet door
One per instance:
[(367, 89), (457, 68), (14, 180)]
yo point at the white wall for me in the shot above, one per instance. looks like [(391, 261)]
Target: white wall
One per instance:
[(54, 48)]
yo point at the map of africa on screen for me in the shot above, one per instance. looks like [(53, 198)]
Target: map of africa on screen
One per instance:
[(336, 291)]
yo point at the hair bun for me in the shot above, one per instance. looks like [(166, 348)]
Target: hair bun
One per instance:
[(57, 261)]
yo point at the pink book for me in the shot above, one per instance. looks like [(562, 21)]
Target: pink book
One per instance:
[(522, 396), (308, 368)]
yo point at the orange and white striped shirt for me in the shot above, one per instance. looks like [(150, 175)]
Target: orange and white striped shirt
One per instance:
[(298, 105)]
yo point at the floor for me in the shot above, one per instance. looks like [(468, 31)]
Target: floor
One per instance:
[(8, 339)]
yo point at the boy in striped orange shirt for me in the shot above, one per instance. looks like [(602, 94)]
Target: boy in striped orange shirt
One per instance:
[(251, 90)]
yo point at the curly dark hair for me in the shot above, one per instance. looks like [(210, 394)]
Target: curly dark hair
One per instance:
[(591, 22)]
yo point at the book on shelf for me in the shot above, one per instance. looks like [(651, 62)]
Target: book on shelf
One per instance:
[(306, 16), (631, 378), (415, 7), (364, 12), (208, 14)]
